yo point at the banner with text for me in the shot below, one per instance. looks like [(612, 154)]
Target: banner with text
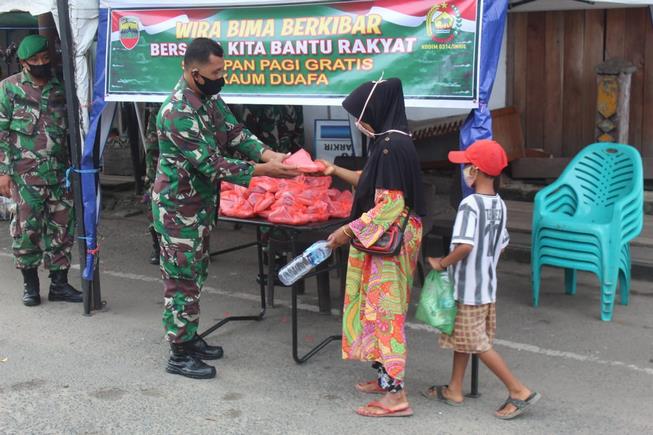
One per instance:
[(304, 53)]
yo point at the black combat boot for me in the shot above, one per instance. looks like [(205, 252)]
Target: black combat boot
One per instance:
[(156, 248), (60, 290), (199, 348), (31, 291), (181, 362)]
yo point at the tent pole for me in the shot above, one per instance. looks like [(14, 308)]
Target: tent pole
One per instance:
[(74, 140), (141, 124), (97, 302), (133, 132)]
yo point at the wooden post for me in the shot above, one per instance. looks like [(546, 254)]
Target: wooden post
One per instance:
[(613, 100)]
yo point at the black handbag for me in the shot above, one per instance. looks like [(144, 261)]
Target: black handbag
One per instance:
[(389, 244)]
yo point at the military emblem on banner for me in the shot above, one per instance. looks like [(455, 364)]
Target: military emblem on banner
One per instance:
[(443, 22), (129, 32)]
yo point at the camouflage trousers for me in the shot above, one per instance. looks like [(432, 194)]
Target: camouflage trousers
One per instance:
[(184, 269), (42, 212), (147, 202)]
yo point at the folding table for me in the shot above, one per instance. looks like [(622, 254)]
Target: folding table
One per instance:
[(292, 232)]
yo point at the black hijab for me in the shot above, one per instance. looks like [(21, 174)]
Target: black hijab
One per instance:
[(392, 163)]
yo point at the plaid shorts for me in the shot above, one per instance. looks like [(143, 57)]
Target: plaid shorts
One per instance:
[(474, 329)]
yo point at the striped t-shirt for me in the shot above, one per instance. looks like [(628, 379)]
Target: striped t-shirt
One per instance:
[(480, 222)]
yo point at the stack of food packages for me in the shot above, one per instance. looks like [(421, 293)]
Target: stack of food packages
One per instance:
[(297, 201)]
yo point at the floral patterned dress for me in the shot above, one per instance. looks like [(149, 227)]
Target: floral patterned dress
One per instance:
[(378, 288)]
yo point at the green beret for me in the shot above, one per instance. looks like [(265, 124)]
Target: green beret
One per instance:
[(30, 45)]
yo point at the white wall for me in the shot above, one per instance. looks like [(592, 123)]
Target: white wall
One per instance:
[(497, 100)]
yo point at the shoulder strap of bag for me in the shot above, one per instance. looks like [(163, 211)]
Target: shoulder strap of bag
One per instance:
[(403, 225)]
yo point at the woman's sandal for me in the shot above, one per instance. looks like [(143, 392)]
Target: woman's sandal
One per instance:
[(521, 405), (437, 392), (407, 411), (360, 387)]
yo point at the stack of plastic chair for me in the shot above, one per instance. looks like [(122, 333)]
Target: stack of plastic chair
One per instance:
[(586, 219)]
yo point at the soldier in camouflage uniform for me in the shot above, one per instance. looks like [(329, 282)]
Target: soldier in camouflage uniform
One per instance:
[(280, 127), (197, 137), (33, 160), (151, 160)]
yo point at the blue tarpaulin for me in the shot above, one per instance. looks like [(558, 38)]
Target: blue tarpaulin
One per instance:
[(100, 118), (478, 124)]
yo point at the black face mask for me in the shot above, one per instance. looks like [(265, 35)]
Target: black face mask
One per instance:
[(43, 72), (210, 87)]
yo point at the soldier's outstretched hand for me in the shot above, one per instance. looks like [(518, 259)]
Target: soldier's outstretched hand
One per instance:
[(276, 168), (273, 155), (5, 186)]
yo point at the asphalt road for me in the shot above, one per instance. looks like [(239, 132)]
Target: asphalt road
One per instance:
[(62, 372)]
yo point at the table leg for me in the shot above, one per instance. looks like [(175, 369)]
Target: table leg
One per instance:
[(301, 287), (474, 394), (259, 317), (259, 253), (323, 288), (271, 273), (295, 353)]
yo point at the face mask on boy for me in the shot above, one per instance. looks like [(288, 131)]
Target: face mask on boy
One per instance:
[(470, 178)]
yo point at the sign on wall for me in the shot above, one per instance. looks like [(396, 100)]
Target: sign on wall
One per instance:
[(333, 139), (304, 53)]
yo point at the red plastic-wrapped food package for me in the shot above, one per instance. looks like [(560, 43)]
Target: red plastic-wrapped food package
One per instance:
[(304, 163), (297, 201)]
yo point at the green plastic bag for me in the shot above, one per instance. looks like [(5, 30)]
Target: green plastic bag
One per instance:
[(437, 307)]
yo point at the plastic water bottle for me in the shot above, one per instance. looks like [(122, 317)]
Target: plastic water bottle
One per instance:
[(302, 264)]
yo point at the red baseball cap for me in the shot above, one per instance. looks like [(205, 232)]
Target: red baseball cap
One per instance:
[(487, 155)]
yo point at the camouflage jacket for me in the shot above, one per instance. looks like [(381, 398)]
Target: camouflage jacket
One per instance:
[(151, 147), (281, 127), (33, 142), (197, 136)]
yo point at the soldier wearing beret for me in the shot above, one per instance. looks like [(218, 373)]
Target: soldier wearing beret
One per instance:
[(33, 159)]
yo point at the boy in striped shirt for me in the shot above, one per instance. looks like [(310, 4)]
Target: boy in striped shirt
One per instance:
[(479, 237)]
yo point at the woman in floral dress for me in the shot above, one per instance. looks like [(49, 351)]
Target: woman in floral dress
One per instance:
[(388, 189)]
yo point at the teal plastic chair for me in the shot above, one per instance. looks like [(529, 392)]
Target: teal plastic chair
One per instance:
[(586, 219)]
